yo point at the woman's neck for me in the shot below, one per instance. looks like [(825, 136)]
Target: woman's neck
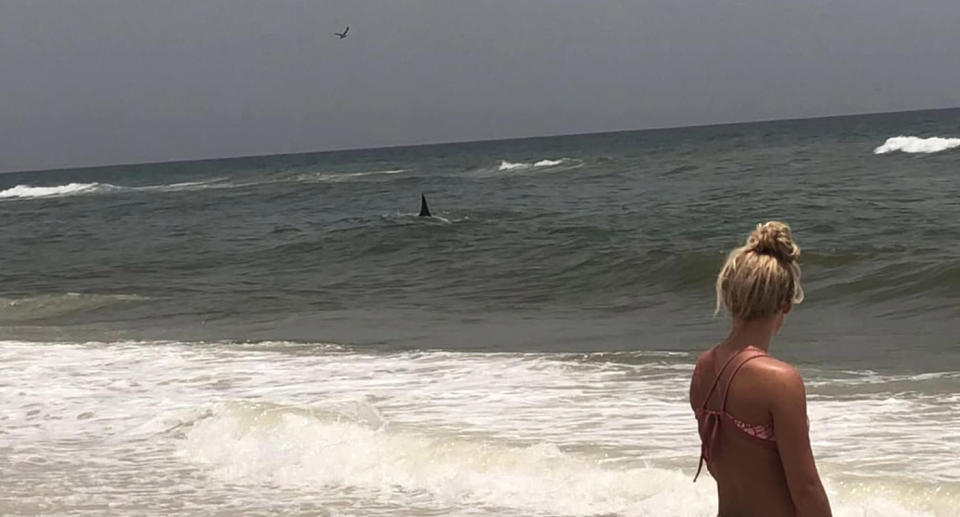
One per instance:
[(755, 333)]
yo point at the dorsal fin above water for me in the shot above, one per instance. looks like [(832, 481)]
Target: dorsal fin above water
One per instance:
[(424, 209)]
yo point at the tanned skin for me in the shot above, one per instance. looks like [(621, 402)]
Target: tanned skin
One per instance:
[(754, 480)]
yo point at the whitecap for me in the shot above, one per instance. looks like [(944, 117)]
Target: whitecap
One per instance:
[(512, 166), (335, 177), (913, 144), (70, 189), (74, 189), (548, 163), (187, 186)]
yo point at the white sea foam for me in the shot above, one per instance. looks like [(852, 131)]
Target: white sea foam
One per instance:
[(74, 189), (70, 189), (371, 173), (913, 144), (292, 447), (548, 163), (336, 177), (208, 425), (511, 166), (186, 186), (289, 447)]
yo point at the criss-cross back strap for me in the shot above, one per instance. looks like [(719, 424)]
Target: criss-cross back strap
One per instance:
[(716, 378), (726, 390), (710, 425)]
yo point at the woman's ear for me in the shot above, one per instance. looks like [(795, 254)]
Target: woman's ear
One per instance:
[(787, 307)]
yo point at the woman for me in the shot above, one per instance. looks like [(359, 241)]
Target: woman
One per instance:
[(752, 408)]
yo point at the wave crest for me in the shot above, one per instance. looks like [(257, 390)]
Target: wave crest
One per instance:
[(336, 177), (30, 191), (511, 166), (351, 446), (74, 189), (292, 446), (914, 144), (35, 308)]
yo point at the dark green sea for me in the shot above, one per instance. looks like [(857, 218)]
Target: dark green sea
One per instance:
[(283, 334)]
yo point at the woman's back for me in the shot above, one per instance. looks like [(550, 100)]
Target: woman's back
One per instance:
[(739, 441)]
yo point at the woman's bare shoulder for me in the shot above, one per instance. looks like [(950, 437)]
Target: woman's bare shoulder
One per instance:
[(779, 374), (706, 356), (772, 366), (697, 382)]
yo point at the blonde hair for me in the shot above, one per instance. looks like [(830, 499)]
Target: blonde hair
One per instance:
[(762, 276)]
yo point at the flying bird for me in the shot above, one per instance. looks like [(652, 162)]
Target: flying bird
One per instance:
[(343, 34)]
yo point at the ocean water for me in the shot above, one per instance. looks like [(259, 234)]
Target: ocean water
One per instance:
[(282, 335)]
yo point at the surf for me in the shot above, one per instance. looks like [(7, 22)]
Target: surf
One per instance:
[(587, 434), (70, 189), (350, 447), (506, 166), (26, 191), (289, 446), (913, 145)]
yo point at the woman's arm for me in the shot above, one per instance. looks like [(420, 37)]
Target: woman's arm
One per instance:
[(789, 412)]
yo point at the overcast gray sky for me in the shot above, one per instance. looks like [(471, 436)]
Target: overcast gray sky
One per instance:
[(85, 82)]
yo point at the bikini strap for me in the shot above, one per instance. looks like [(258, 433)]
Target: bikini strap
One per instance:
[(726, 390), (710, 425), (716, 378)]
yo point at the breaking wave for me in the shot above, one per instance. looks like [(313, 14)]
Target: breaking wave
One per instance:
[(74, 189), (33, 308), (427, 430), (914, 144), (511, 166), (70, 189), (352, 447), (334, 177), (188, 185), (290, 446)]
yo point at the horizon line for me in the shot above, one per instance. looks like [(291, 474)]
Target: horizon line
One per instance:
[(458, 142)]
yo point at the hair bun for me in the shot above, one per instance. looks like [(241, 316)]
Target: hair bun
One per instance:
[(773, 238)]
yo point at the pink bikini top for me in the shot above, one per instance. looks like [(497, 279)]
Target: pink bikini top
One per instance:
[(709, 419)]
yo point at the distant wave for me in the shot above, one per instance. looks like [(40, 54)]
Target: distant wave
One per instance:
[(345, 176), (188, 185), (511, 166), (74, 189), (372, 173), (70, 189), (56, 305), (914, 144)]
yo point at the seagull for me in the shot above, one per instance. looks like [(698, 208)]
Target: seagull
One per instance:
[(343, 34)]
